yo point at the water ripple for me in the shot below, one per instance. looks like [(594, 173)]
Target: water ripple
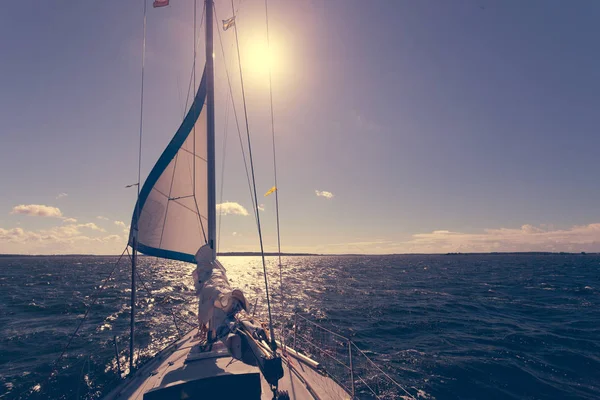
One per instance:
[(449, 327)]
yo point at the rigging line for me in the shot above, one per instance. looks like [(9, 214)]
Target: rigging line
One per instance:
[(192, 172), (170, 310), (194, 105), (199, 215), (237, 123), (81, 376), (174, 164), (165, 308), (192, 154), (381, 371), (167, 207), (137, 208), (179, 97), (137, 202), (187, 97), (85, 315), (225, 136), (274, 160), (193, 80), (194, 128), (223, 165), (242, 149), (262, 250)]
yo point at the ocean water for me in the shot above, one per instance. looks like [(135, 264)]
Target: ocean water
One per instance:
[(444, 326)]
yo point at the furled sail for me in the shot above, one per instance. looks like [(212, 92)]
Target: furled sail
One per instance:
[(218, 301), (173, 203)]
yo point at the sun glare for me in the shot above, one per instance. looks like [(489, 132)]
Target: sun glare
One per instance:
[(259, 57), (259, 60)]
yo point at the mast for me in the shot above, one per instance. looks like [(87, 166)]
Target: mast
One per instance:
[(210, 137)]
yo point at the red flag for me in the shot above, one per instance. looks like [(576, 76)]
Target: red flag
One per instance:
[(160, 3)]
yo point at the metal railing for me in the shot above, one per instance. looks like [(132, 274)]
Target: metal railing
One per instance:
[(343, 361)]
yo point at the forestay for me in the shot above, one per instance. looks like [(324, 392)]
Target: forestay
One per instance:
[(173, 203)]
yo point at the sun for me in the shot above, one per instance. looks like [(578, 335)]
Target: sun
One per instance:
[(259, 60), (261, 57)]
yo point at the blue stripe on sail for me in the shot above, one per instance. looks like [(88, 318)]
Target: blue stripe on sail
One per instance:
[(173, 255), (163, 162)]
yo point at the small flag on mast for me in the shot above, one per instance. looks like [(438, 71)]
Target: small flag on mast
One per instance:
[(160, 3), (228, 23), (274, 188)]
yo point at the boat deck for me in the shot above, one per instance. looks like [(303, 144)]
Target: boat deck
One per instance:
[(184, 361)]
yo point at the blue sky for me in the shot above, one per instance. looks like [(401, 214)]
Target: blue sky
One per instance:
[(437, 125)]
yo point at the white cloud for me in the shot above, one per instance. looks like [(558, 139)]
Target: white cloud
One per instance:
[(525, 238), (11, 234), (91, 226), (72, 230), (365, 243), (69, 220), (231, 208), (112, 237), (123, 225), (60, 240), (323, 193), (37, 210), (61, 195), (88, 238), (102, 218)]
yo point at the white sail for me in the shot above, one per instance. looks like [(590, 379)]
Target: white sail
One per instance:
[(173, 210), (173, 202)]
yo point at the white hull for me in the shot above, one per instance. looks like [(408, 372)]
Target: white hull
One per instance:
[(183, 370)]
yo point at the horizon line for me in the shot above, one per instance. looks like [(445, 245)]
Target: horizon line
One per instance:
[(297, 254)]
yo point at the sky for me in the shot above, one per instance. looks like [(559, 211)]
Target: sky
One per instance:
[(401, 126)]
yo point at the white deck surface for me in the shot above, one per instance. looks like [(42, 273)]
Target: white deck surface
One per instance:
[(170, 368)]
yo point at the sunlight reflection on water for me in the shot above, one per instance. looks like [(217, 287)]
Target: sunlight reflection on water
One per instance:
[(465, 325)]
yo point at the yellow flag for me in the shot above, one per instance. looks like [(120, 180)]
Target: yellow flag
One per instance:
[(274, 188)]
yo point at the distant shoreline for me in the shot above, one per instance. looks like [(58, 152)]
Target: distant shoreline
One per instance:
[(271, 254)]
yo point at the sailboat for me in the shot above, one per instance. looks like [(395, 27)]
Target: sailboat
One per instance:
[(231, 354)]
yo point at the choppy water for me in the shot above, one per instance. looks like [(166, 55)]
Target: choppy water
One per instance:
[(446, 327)]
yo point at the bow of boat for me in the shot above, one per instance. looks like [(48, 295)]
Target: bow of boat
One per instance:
[(188, 369)]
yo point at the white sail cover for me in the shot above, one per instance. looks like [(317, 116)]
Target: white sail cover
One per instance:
[(173, 203), (218, 301)]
